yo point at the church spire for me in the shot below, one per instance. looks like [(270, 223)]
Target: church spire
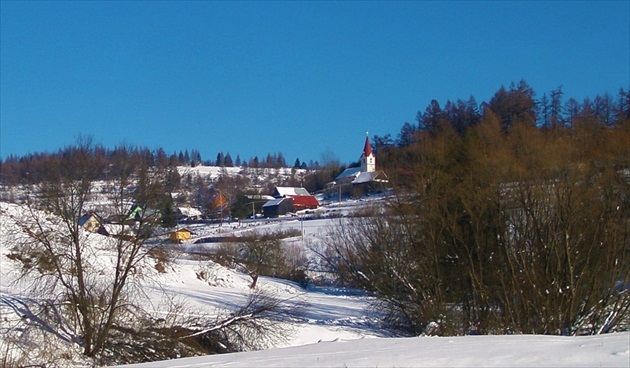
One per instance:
[(367, 148), (368, 161)]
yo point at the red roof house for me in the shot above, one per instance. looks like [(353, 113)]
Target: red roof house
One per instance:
[(304, 202)]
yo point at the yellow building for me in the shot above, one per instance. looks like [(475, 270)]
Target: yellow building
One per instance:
[(181, 235)]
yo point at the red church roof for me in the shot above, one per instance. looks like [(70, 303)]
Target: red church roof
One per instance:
[(367, 149)]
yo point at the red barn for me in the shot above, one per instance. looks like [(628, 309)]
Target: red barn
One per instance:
[(304, 202), (300, 199)]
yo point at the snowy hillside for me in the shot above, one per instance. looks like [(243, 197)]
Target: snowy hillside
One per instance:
[(329, 314), (336, 329), (256, 176)]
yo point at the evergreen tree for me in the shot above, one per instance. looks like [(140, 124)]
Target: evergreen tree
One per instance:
[(515, 105), (280, 161), (604, 109), (407, 135), (431, 119), (269, 161), (572, 109), (623, 105), (544, 109), (228, 160), (254, 163), (169, 217), (384, 141), (195, 157), (555, 108)]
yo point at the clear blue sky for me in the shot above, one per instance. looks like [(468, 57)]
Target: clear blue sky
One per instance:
[(307, 79)]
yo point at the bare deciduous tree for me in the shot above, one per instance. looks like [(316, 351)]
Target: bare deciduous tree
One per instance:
[(84, 273)]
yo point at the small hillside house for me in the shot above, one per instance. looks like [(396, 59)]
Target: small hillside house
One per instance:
[(289, 199), (181, 235), (188, 213), (93, 223), (277, 207)]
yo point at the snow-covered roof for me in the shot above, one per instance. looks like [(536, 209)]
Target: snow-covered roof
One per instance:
[(189, 211), (365, 177), (274, 202), (358, 176), (290, 191), (353, 171), (259, 196), (117, 230)]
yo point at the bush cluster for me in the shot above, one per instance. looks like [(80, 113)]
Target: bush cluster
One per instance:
[(496, 231)]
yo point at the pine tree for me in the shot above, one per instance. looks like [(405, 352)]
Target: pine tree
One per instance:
[(556, 107), (228, 160)]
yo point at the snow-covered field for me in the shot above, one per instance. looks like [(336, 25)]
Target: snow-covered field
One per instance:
[(337, 329), (470, 351)]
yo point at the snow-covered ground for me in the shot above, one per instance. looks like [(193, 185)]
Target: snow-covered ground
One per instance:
[(470, 351), (337, 329)]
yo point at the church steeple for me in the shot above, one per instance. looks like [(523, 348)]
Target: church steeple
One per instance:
[(367, 148), (368, 160)]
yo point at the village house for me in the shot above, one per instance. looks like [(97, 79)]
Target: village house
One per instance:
[(277, 207), (187, 213), (289, 199), (180, 235), (94, 223)]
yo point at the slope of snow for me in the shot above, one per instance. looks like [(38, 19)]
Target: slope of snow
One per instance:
[(198, 287), (471, 351), (336, 329)]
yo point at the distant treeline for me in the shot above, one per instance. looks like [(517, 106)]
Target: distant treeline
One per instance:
[(516, 104), (30, 168)]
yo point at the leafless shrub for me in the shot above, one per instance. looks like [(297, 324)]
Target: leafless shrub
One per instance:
[(263, 321), (493, 232), (162, 258), (262, 254)]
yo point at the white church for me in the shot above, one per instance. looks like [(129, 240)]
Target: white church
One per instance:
[(365, 174)]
